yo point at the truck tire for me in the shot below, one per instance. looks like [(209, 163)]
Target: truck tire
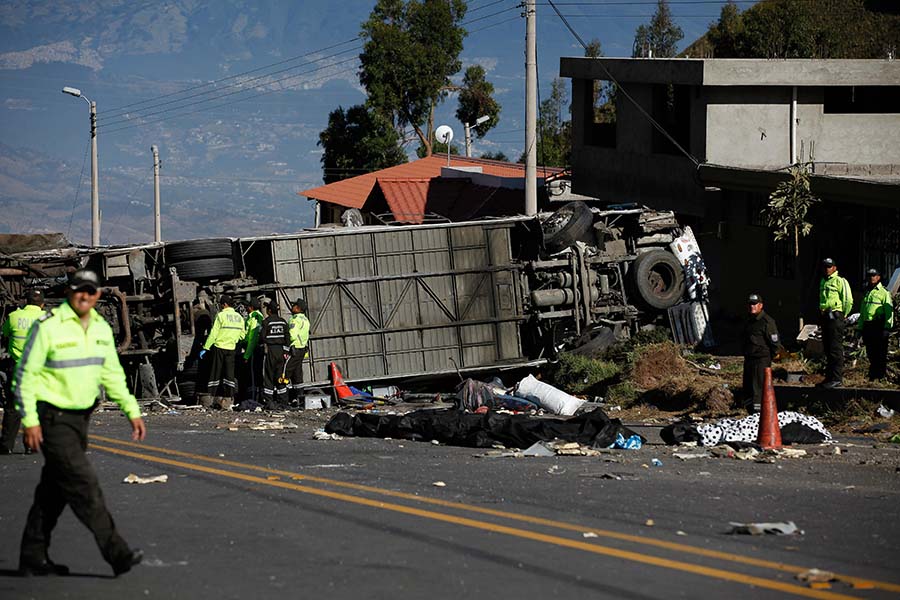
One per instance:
[(205, 268), (195, 249), (567, 225), (658, 279)]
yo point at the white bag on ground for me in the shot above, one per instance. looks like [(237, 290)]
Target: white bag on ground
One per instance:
[(549, 397)]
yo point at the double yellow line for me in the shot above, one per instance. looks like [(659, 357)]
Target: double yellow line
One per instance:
[(273, 479)]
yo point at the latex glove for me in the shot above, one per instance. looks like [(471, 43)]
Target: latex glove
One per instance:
[(202, 352)]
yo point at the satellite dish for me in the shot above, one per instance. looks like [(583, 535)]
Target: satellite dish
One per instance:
[(444, 134)]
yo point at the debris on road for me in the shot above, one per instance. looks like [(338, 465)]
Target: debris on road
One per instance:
[(132, 478), (321, 435), (537, 449), (439, 484), (589, 534), (796, 428), (633, 442), (259, 425), (778, 528), (656, 462), (816, 575), (548, 397), (885, 412), (649, 523), (556, 470), (691, 455)]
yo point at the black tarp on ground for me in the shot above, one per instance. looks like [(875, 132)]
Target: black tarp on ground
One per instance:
[(458, 428)]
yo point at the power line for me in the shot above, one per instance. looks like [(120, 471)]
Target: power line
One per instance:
[(238, 91), (78, 189), (619, 87), (224, 104)]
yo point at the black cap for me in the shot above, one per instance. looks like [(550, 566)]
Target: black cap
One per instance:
[(754, 299), (35, 297), (84, 280), (300, 303), (225, 299), (827, 262), (871, 272)]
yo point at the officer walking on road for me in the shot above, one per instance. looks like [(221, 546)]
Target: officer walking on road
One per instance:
[(69, 354), (759, 344), (299, 331), (15, 329), (876, 318), (227, 332), (276, 341), (835, 303)]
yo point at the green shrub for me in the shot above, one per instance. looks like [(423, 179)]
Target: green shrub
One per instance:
[(578, 374)]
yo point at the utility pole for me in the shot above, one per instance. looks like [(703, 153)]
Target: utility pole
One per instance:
[(95, 183), (468, 140), (157, 230), (530, 108)]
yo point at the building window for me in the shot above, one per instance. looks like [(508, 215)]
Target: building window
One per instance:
[(779, 258), (672, 110), (862, 100), (601, 125), (756, 206)]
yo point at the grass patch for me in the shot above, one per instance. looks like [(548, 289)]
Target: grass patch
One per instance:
[(582, 375)]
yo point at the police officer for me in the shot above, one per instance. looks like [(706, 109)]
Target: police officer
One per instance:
[(69, 354), (276, 341), (876, 318), (15, 329), (759, 343), (227, 332), (835, 303), (299, 332), (252, 352)]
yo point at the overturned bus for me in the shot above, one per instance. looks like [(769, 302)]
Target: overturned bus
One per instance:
[(386, 302)]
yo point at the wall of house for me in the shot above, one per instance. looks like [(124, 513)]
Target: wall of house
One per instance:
[(748, 126)]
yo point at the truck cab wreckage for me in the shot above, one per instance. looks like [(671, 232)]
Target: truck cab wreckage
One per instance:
[(390, 302)]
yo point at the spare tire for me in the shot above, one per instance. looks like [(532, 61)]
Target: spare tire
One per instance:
[(207, 268), (658, 279), (194, 249), (567, 225)]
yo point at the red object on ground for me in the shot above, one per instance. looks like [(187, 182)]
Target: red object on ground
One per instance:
[(769, 436), (337, 380)]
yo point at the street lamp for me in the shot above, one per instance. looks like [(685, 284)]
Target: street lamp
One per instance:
[(95, 191), (467, 127)]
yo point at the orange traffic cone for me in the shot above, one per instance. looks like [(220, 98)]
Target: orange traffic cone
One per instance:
[(769, 436), (337, 381)]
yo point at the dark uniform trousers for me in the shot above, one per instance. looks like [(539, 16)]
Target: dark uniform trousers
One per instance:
[(273, 368), (221, 374), (68, 479), (754, 378), (12, 421), (876, 348), (294, 371), (833, 341)]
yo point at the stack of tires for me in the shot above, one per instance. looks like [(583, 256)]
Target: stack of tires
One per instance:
[(198, 260)]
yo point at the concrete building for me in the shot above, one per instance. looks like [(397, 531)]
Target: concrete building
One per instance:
[(745, 121)]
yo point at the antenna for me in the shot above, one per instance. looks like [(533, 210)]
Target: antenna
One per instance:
[(444, 135)]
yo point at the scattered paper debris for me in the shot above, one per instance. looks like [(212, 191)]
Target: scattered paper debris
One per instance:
[(836, 450), (589, 534), (435, 443), (538, 449), (321, 435), (439, 484), (649, 522), (615, 476), (656, 462), (132, 478), (815, 575), (779, 528), (691, 455), (791, 452), (885, 412), (680, 532), (747, 454), (556, 470)]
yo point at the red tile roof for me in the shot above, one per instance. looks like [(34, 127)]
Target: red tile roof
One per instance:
[(353, 192)]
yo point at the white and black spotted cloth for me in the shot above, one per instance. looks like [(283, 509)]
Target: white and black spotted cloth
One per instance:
[(746, 429)]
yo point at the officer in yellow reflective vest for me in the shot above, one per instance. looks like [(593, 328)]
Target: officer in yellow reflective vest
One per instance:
[(876, 318), (15, 330), (299, 333), (835, 303), (69, 354), (253, 354), (227, 332)]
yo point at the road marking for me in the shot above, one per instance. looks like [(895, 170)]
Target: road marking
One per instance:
[(675, 546), (495, 528)]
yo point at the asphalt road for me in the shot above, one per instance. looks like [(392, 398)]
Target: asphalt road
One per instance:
[(276, 514)]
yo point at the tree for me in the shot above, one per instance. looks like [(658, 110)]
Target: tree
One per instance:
[(604, 91), (438, 148), (727, 35), (789, 205), (660, 38), (554, 143), (356, 141), (476, 100), (412, 48)]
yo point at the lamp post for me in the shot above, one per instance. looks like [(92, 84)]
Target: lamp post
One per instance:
[(467, 127), (95, 191)]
